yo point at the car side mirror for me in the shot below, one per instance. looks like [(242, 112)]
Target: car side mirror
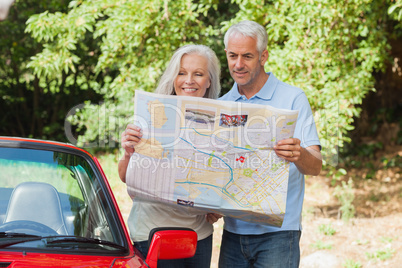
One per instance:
[(170, 243)]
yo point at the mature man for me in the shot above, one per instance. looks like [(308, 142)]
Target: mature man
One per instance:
[(246, 244)]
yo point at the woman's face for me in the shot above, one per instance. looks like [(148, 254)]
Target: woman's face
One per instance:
[(193, 77)]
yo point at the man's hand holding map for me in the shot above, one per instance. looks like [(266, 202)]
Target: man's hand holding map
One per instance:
[(213, 156)]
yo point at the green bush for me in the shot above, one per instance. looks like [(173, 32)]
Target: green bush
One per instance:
[(329, 48)]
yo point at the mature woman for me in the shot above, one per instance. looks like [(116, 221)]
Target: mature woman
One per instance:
[(193, 71)]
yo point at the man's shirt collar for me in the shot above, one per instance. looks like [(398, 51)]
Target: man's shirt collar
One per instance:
[(265, 93)]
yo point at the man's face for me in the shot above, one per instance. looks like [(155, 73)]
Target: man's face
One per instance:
[(243, 59)]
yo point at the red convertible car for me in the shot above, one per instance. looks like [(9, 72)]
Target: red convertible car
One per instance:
[(57, 210)]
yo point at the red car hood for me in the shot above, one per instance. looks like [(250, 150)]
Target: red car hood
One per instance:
[(28, 259)]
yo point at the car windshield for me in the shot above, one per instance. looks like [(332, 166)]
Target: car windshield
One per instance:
[(54, 200)]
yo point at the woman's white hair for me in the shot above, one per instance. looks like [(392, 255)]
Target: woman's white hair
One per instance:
[(251, 29), (166, 83)]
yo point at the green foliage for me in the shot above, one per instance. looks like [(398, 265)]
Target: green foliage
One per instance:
[(319, 244), (385, 239), (111, 48), (393, 162), (33, 105), (346, 196), (330, 55), (359, 152), (395, 10), (384, 253), (381, 254), (335, 173), (352, 264), (133, 42), (326, 229)]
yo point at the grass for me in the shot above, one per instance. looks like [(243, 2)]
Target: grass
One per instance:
[(352, 264), (319, 244), (381, 254), (326, 229)]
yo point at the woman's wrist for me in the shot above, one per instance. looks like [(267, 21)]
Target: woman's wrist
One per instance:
[(126, 156)]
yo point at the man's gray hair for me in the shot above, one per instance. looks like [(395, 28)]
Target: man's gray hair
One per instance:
[(251, 29), (166, 83)]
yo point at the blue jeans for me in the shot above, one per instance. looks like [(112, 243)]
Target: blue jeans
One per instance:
[(201, 259), (273, 250)]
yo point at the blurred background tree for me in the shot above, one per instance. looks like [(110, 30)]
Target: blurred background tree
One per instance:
[(30, 104), (97, 53)]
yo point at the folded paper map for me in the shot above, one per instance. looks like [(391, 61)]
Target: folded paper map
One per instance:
[(211, 156)]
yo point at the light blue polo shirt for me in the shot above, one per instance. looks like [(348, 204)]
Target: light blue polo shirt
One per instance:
[(281, 95)]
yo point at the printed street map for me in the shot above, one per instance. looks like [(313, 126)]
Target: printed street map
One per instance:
[(212, 156)]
